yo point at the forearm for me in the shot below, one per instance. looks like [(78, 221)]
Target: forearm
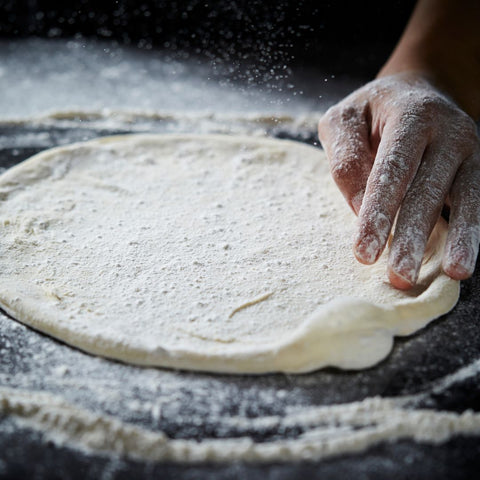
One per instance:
[(442, 41)]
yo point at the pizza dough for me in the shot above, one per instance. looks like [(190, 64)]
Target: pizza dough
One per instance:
[(218, 253)]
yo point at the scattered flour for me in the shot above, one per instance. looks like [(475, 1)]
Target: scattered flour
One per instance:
[(332, 430)]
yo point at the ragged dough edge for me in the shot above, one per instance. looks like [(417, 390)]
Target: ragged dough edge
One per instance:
[(328, 430), (323, 339), (320, 341)]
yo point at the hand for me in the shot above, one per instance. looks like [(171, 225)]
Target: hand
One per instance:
[(399, 146)]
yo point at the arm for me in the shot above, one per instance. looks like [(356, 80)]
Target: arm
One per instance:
[(442, 41), (404, 142)]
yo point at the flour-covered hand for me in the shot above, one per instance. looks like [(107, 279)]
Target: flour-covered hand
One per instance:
[(399, 149)]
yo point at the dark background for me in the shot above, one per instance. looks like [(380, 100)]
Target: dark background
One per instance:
[(343, 37)]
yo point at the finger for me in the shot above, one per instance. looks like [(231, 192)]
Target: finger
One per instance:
[(418, 214), (399, 154), (463, 237), (344, 134)]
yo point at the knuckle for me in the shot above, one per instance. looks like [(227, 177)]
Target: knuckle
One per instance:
[(344, 113), (432, 102), (433, 115), (348, 113), (428, 107), (462, 134), (341, 171), (331, 114), (421, 106), (347, 173), (423, 111), (415, 119), (396, 163)]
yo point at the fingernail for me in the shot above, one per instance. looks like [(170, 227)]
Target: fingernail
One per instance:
[(367, 249), (458, 271), (409, 276), (406, 269), (460, 261), (400, 281)]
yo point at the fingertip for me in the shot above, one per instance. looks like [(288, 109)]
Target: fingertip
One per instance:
[(459, 258), (402, 269), (367, 249), (399, 281), (457, 271)]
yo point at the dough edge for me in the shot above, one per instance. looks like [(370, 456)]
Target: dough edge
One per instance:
[(315, 343)]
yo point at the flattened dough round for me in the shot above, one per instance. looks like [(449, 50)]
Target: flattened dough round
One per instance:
[(217, 253)]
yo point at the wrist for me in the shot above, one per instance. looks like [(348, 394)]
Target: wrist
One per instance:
[(441, 42), (458, 78)]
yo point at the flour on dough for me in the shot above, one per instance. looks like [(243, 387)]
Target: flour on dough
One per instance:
[(217, 253)]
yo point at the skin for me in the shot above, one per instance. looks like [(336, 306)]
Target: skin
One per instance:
[(406, 144)]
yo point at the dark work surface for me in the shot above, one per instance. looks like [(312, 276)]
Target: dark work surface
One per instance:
[(457, 459), (192, 404)]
